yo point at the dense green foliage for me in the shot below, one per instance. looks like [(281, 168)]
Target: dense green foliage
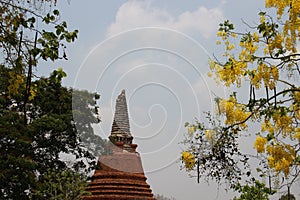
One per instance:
[(287, 197), (34, 147), (57, 184), (256, 191), (37, 124)]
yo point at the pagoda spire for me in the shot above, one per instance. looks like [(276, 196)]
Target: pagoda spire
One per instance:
[(120, 174), (120, 131)]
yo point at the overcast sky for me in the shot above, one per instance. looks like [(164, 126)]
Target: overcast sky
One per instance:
[(158, 52)]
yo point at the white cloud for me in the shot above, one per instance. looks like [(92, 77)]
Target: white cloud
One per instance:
[(134, 14), (202, 20)]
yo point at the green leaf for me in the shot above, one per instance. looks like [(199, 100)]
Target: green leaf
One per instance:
[(56, 12), (262, 13)]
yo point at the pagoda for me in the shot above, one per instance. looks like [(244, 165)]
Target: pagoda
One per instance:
[(120, 175)]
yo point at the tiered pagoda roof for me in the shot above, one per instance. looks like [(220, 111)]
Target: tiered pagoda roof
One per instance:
[(120, 175)]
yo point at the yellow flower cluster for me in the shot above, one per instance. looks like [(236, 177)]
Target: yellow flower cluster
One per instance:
[(281, 157), (281, 5), (297, 134), (225, 36), (235, 113), (296, 105), (275, 43), (222, 34), (210, 135), (15, 82), (296, 108), (189, 160), (260, 143), (292, 24), (283, 123), (267, 126), (269, 75), (229, 46), (262, 18), (234, 69), (33, 90), (250, 46), (229, 73), (191, 130), (297, 96)]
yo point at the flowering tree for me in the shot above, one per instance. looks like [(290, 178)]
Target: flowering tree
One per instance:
[(265, 60)]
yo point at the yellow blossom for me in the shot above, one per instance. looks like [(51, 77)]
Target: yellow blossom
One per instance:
[(267, 126), (288, 43), (231, 73), (271, 161), (230, 47), (209, 74), (189, 160), (233, 35), (210, 135), (15, 82), (281, 156), (297, 96), (266, 50), (221, 34), (275, 73), (260, 143), (242, 44), (296, 109), (268, 74), (283, 123), (234, 112), (262, 19), (259, 62), (255, 37), (285, 166), (191, 130), (297, 134)]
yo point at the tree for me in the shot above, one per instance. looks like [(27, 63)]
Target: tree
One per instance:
[(36, 113), (57, 184), (287, 197), (256, 190), (266, 61), (29, 150)]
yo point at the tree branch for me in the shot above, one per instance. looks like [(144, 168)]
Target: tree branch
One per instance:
[(252, 113)]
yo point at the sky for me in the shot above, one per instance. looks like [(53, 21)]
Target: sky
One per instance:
[(158, 51)]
